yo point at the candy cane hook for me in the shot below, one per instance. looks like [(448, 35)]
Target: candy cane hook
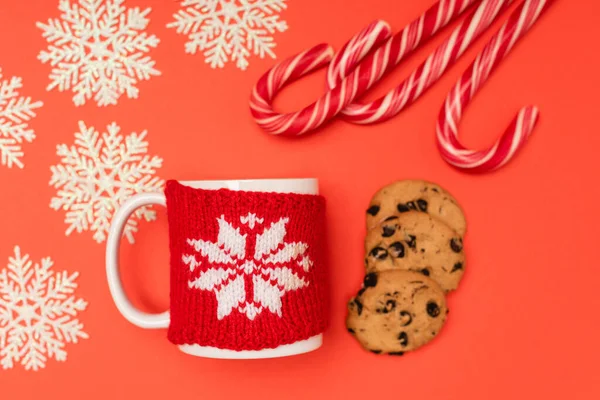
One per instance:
[(515, 136)]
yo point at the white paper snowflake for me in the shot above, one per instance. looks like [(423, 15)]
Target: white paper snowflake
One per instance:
[(271, 264), (37, 310), (230, 30), (15, 111), (97, 48), (98, 174)]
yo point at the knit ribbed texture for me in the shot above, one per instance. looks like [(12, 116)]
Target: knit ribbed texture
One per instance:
[(247, 268)]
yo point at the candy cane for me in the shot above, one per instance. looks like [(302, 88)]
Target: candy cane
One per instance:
[(395, 49), (356, 83), (515, 136)]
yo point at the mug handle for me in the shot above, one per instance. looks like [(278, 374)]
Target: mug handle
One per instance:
[(133, 315)]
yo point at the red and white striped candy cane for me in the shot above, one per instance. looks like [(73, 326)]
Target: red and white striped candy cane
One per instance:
[(358, 81), (515, 136), (394, 50)]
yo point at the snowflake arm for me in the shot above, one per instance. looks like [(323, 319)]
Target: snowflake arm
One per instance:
[(15, 112), (258, 25), (231, 239), (229, 296), (290, 251), (270, 239), (197, 13), (212, 251), (212, 278), (285, 278)]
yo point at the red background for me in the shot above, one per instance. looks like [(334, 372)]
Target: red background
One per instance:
[(524, 321)]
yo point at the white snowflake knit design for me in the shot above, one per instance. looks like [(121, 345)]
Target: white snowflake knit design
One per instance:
[(98, 174), (37, 310), (97, 48), (230, 30), (272, 260), (15, 111)]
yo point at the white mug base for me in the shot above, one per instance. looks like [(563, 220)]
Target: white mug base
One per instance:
[(302, 346)]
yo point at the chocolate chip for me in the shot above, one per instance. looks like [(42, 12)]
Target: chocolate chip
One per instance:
[(412, 241), (389, 306), (424, 271), (393, 217), (370, 280), (402, 208), (379, 253), (361, 291), (411, 205), (433, 309), (403, 338), (422, 204), (397, 249), (351, 330), (456, 245), (376, 351), (396, 353), (388, 231), (456, 267), (359, 306), (373, 210), (405, 316)]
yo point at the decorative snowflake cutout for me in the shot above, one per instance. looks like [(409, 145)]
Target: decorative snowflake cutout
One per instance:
[(235, 265), (230, 30), (98, 174), (15, 111), (97, 48), (37, 310)]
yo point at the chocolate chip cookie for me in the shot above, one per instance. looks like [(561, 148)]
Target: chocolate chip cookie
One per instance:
[(418, 242), (418, 195), (396, 311)]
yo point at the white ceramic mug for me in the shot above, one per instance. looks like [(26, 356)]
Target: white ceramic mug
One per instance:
[(267, 307)]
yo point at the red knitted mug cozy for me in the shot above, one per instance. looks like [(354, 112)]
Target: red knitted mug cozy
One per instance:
[(247, 268)]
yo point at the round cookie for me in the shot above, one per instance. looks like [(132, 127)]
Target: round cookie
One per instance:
[(396, 312), (418, 242), (418, 195)]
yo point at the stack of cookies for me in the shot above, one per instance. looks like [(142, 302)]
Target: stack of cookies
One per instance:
[(414, 257)]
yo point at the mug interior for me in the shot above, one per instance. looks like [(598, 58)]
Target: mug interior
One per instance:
[(294, 185)]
